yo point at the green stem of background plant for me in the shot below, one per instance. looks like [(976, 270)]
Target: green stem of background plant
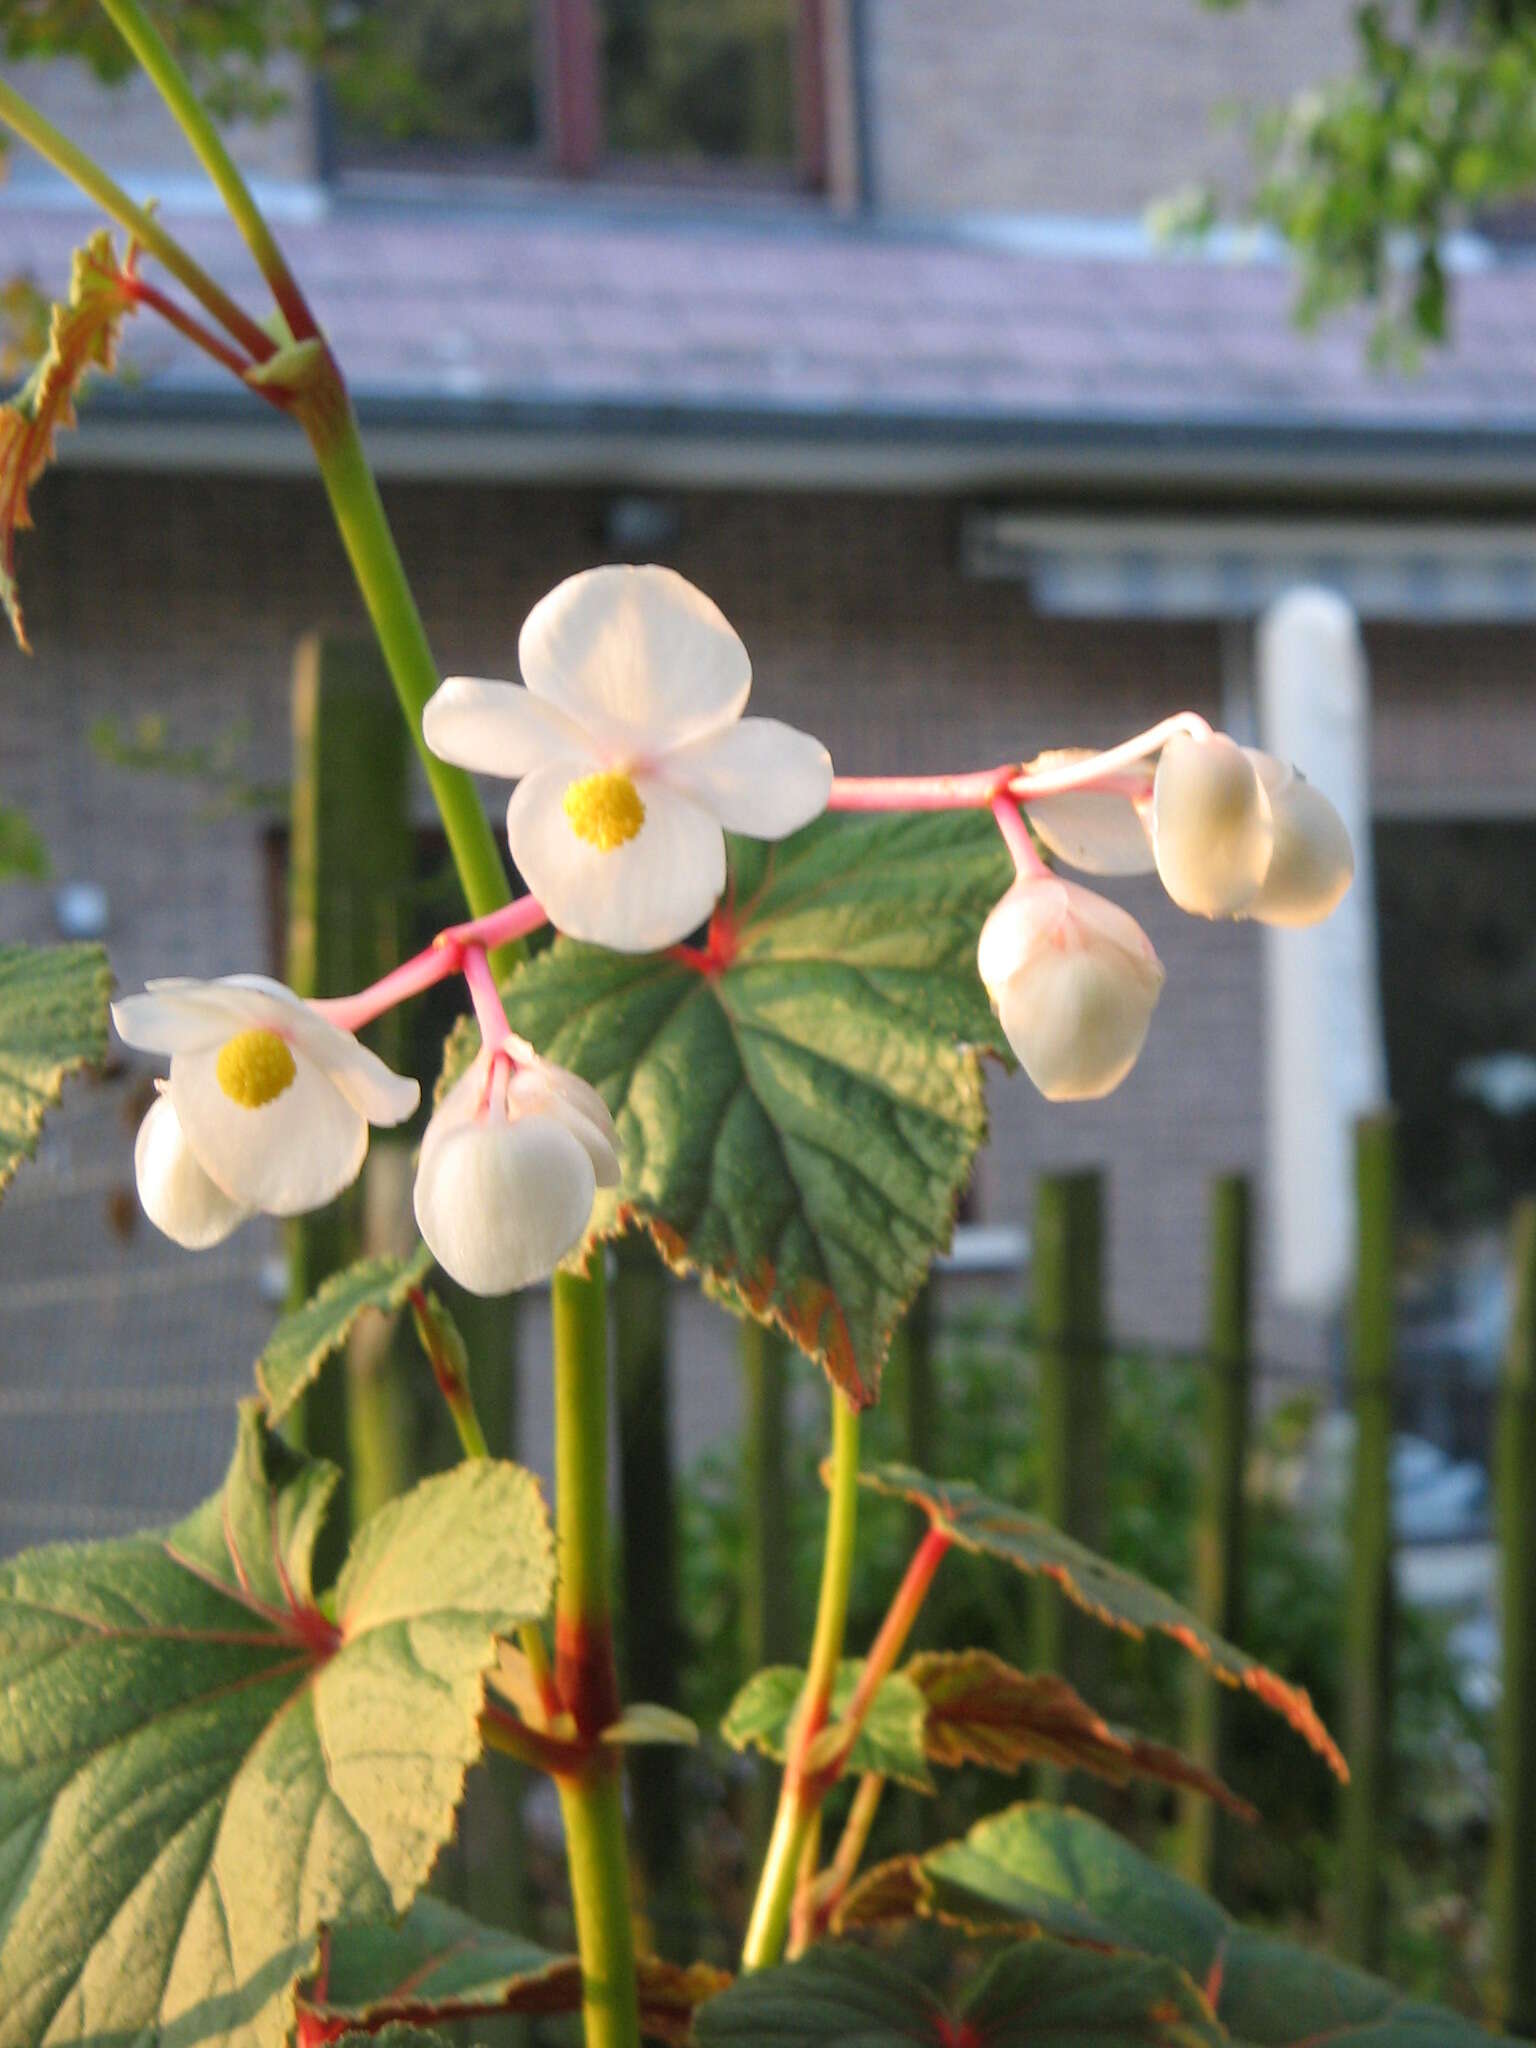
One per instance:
[(796, 1813), (175, 88), (585, 1672), (58, 150)]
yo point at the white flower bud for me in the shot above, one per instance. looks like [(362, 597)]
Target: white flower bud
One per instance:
[(1313, 862), (508, 1171), (177, 1195), (1074, 981), (1212, 832)]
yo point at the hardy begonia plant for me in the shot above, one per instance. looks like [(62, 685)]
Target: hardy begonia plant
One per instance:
[(225, 1771)]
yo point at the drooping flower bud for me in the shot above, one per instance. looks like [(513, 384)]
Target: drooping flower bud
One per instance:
[(509, 1167), (1074, 980), (1313, 863), (1212, 832), (178, 1197)]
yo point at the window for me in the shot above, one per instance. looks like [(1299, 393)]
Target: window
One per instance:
[(624, 88)]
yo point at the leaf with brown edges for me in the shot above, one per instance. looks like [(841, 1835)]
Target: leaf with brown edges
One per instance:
[(982, 1711), (82, 336), (1109, 1593)]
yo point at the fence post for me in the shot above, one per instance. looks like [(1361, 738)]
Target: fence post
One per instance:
[(767, 1583), (1369, 1632), (1515, 1922), (350, 859), (1067, 1291), (1220, 1532), (648, 1548)]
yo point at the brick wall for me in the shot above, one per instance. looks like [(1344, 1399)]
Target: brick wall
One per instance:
[(1032, 106)]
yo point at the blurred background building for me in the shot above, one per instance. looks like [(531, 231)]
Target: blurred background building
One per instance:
[(851, 313)]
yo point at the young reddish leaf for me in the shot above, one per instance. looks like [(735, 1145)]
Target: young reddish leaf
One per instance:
[(82, 336), (799, 1102), (1066, 1877), (437, 1965), (1110, 1594), (202, 1757), (982, 1711)]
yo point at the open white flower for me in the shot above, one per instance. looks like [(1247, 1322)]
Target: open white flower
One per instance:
[(266, 1100), (1212, 828), (1074, 980), (1312, 863), (632, 754), (510, 1164)]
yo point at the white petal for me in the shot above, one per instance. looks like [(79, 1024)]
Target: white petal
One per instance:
[(528, 1095), (1077, 1018), (294, 1154), (169, 1018), (1029, 913), (757, 776), (637, 656), (499, 728), (1091, 829), (500, 1204), (1212, 829), (177, 1195), (651, 892), (1312, 864), (374, 1089)]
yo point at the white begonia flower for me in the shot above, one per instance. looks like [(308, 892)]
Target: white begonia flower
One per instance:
[(632, 754), (1212, 829), (1101, 831), (1074, 980), (1313, 863), (271, 1101), (509, 1167), (177, 1195)]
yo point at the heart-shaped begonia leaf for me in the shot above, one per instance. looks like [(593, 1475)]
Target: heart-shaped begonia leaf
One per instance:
[(799, 1102), (1039, 1994), (202, 1759), (890, 1741), (1057, 1871), (307, 1336), (53, 1021), (1107, 1591)]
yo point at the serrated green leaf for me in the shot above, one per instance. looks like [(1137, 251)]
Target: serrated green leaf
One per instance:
[(22, 852), (1051, 1869), (438, 1965), (1109, 1593), (202, 1759), (1039, 1994), (797, 1124), (303, 1340), (53, 1021), (890, 1741), (981, 1711), (82, 336)]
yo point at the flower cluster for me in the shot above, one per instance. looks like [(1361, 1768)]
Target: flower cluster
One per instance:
[(632, 759)]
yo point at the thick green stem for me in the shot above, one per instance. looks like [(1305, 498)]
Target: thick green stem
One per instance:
[(796, 1812), (584, 1662), (93, 181), (174, 87), (359, 515)]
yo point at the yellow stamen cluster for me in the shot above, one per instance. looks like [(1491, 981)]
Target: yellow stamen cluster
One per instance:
[(254, 1068), (604, 809)]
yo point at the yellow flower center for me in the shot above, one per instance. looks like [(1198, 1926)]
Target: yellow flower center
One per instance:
[(254, 1068), (604, 809)]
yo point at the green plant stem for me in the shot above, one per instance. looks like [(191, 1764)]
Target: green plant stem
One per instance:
[(41, 135), (174, 87), (360, 518), (796, 1813), (585, 1673)]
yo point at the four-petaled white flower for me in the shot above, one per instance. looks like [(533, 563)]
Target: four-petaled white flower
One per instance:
[(510, 1165), (267, 1106), (632, 754), (1074, 981)]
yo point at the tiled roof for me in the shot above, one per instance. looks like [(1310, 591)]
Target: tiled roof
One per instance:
[(581, 315)]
